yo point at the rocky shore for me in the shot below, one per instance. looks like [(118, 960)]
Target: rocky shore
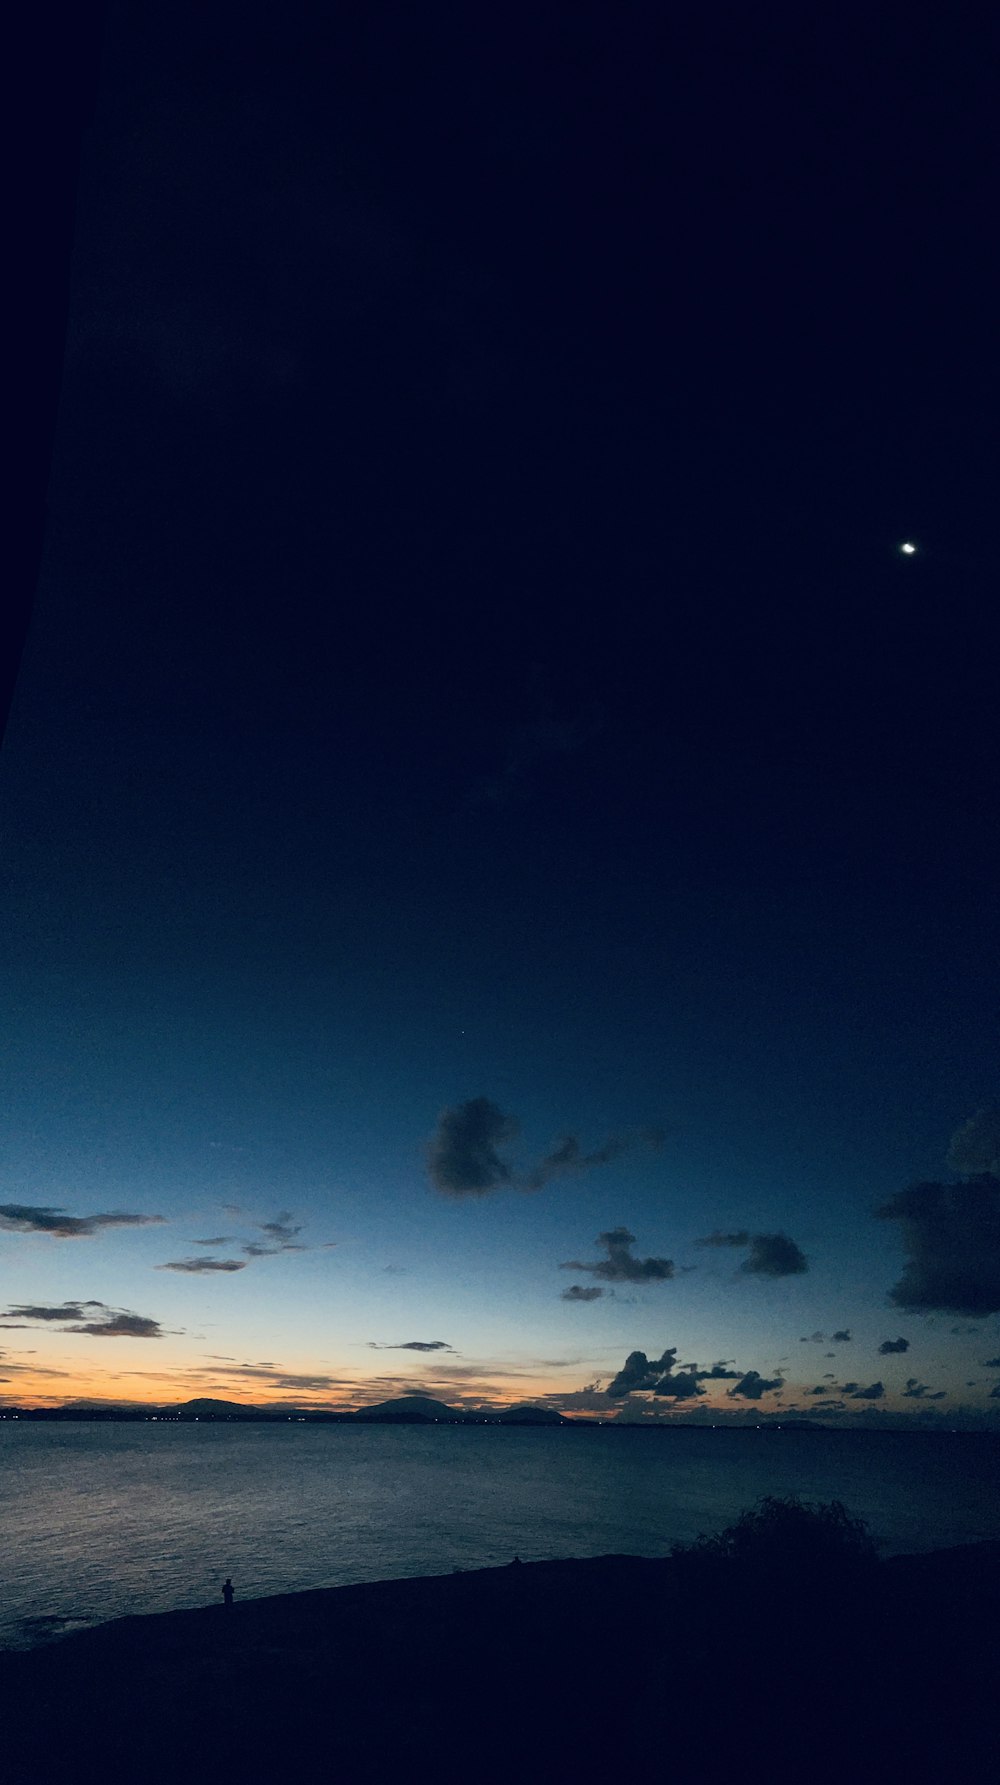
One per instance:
[(571, 1670)]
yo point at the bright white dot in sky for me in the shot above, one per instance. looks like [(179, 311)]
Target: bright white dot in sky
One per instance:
[(907, 548)]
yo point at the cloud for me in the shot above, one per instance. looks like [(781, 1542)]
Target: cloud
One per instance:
[(19, 1217), (68, 1311), (462, 1157), (813, 1339), (975, 1147), (774, 1255), (589, 1399), (412, 1345), (621, 1266), (220, 1239), (281, 1236), (919, 1391), (577, 1293), (194, 1266), (279, 1378), (682, 1387), (990, 1363), (874, 1392), (888, 1346), (639, 1372), (951, 1235), (281, 1230), (771, 1254), (569, 1156), (841, 1338), (120, 1326), (751, 1386), (105, 1323)]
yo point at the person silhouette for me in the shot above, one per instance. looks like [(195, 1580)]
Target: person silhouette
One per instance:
[(227, 1592)]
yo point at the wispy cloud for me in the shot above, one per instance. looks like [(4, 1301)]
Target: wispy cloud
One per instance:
[(411, 1345), (569, 1156), (199, 1266), (18, 1217)]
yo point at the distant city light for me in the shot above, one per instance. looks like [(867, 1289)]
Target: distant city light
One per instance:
[(907, 548)]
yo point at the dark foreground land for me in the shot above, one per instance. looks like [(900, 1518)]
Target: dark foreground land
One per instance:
[(544, 1671)]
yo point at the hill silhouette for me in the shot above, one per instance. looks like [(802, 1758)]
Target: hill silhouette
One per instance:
[(407, 1409)]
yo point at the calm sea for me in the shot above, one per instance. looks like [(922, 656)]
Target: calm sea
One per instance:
[(97, 1521)]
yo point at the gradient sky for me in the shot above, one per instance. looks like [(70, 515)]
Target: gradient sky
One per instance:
[(477, 714)]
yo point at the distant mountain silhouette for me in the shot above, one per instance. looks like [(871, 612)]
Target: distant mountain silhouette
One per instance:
[(417, 1409), (402, 1410), (532, 1416), (406, 1409), (209, 1409)]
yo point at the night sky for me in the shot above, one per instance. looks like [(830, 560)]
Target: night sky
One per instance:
[(489, 807)]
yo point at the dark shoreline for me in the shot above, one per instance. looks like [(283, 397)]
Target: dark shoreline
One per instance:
[(548, 1670)]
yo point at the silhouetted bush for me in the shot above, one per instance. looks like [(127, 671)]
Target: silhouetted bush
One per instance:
[(785, 1545)]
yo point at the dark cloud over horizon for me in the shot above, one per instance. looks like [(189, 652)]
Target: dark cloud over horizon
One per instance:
[(643, 1375), (577, 1292), (951, 1235), (753, 1385), (888, 1346), (411, 1345)]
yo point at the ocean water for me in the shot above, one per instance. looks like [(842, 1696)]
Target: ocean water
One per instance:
[(98, 1521)]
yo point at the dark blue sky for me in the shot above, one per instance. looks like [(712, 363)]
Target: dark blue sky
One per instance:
[(474, 660)]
